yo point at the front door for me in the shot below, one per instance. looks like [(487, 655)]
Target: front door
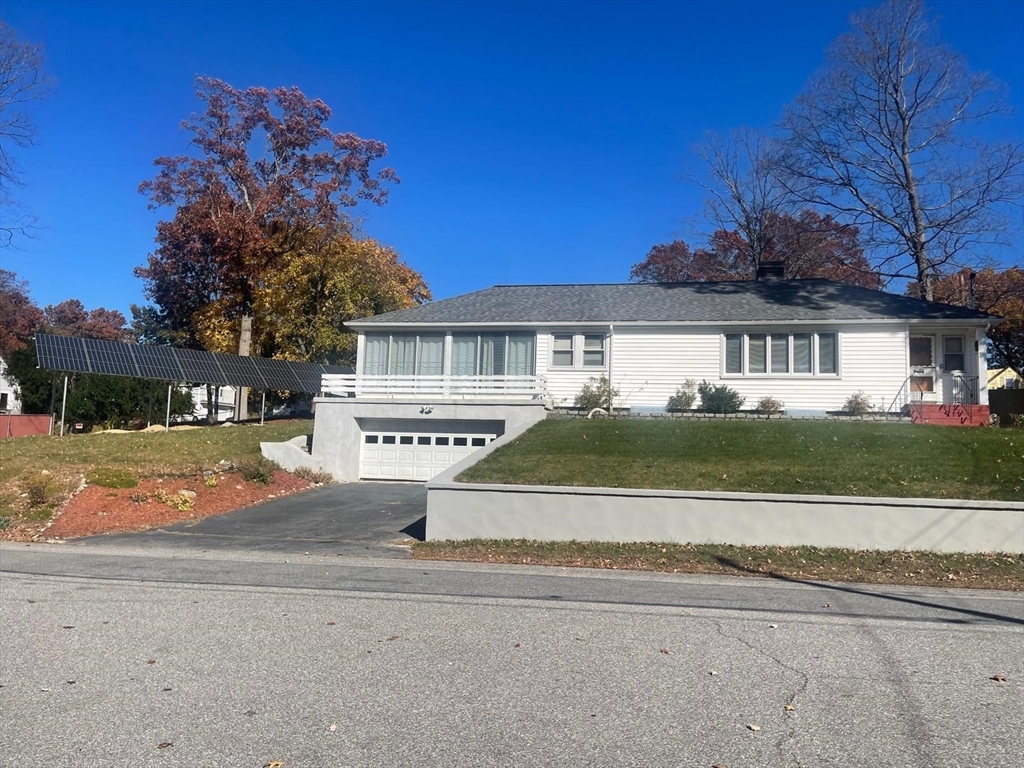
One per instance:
[(955, 386), (922, 369)]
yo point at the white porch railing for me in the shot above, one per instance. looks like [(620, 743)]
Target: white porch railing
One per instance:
[(440, 387)]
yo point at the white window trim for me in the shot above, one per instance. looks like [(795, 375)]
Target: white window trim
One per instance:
[(578, 356), (745, 372)]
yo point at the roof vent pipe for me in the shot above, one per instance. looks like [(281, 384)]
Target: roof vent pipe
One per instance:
[(771, 270)]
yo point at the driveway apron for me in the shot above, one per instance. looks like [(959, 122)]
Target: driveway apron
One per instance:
[(365, 518)]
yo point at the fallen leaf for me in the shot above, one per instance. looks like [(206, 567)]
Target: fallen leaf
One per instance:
[(773, 626), (789, 707), (712, 672), (578, 639), (69, 626), (333, 727), (752, 727), (517, 645), (487, 712), (998, 678), (151, 661), (71, 682), (330, 623), (45, 690), (827, 605), (250, 713), (31, 601), (667, 652), (718, 765), (164, 745), (274, 764), (168, 689), (394, 637)]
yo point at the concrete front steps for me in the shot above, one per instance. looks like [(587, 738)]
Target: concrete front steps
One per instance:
[(953, 415)]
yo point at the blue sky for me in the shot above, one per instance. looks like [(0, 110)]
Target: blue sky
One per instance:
[(537, 142)]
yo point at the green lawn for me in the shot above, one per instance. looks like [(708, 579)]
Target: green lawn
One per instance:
[(808, 457), (141, 453)]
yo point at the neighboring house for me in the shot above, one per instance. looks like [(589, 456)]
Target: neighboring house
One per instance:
[(223, 405), (9, 402), (435, 382), (1004, 378)]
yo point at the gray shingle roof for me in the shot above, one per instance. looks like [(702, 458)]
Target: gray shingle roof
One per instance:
[(750, 301)]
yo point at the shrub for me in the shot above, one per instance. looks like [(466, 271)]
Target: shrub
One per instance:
[(716, 398), (41, 490), (314, 475), (684, 398), (258, 469), (5, 521), (769, 405), (210, 481), (1017, 420), (858, 404), (108, 477), (596, 393), (139, 497)]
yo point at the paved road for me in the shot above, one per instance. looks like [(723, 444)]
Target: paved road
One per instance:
[(367, 519), (421, 664)]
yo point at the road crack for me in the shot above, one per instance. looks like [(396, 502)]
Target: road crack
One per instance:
[(786, 741)]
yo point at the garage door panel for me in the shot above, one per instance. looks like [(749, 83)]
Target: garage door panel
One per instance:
[(407, 453)]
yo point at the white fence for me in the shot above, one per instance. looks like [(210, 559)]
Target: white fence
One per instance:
[(443, 387)]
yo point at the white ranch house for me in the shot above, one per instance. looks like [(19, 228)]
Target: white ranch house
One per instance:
[(435, 382)]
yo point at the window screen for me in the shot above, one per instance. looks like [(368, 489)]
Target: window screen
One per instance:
[(562, 349), (734, 353), (827, 362), (757, 347), (780, 353), (801, 353), (953, 353)]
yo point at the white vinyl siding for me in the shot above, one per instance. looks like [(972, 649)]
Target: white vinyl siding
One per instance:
[(649, 364)]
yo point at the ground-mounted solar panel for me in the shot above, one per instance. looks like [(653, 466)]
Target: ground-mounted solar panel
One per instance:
[(239, 371), (277, 374), (61, 353), (156, 362), (199, 367), (307, 376), (112, 358)]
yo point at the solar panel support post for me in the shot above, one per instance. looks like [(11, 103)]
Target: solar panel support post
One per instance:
[(149, 410), (263, 408), (167, 422), (53, 400), (64, 405)]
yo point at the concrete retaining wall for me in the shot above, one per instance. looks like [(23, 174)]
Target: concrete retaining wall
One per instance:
[(472, 511)]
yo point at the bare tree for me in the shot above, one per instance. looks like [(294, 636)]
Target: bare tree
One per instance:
[(22, 80), (883, 136), (744, 194)]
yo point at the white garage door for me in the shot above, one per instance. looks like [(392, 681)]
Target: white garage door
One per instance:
[(415, 454)]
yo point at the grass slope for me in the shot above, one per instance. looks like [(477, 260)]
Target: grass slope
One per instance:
[(808, 457), (120, 459)]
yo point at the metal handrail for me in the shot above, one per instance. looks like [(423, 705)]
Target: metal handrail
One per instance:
[(964, 389), (902, 393)]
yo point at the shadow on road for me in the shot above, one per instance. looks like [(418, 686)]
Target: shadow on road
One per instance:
[(870, 593)]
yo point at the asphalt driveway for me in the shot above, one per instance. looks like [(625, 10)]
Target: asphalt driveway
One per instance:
[(370, 519)]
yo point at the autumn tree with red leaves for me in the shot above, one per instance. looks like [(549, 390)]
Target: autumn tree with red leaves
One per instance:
[(19, 316), (808, 245), (266, 171)]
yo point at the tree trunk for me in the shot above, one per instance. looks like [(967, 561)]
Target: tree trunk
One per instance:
[(212, 403), (242, 396)]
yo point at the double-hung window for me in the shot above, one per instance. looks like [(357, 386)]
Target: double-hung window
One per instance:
[(953, 353), (780, 354), (587, 350)]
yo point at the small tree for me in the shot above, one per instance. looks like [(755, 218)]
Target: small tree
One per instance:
[(858, 404), (715, 398), (769, 406), (596, 393), (684, 398)]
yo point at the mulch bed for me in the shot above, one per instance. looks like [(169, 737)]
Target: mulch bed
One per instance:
[(97, 510)]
